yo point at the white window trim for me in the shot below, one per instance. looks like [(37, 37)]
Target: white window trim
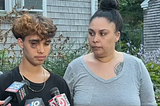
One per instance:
[(8, 7), (43, 10), (9, 4)]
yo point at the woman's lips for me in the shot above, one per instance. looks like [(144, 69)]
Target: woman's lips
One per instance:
[(96, 47)]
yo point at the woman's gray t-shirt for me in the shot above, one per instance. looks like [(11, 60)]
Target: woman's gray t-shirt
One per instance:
[(132, 87)]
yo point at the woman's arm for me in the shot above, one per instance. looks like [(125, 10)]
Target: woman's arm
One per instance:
[(147, 95)]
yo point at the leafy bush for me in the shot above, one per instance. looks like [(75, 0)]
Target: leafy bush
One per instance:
[(130, 40), (154, 71), (63, 54), (7, 62), (152, 62)]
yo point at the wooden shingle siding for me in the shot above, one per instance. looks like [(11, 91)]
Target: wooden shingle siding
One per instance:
[(70, 16), (152, 26)]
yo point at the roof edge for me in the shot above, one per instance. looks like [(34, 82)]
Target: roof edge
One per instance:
[(144, 4)]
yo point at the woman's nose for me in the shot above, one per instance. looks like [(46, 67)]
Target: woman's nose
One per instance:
[(95, 39)]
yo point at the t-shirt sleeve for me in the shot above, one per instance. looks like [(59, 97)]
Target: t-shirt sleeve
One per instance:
[(147, 95), (69, 78)]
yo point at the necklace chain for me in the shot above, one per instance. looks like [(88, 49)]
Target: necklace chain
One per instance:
[(33, 89)]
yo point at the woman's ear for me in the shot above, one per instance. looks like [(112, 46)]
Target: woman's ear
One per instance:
[(20, 43), (117, 37)]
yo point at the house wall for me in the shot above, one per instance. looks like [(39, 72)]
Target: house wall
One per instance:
[(70, 16), (152, 26)]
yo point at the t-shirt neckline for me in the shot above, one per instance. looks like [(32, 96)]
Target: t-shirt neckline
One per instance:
[(101, 79)]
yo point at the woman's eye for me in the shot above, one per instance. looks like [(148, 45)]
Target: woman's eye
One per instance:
[(91, 33), (102, 34)]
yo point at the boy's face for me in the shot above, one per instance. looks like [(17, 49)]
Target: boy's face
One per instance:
[(35, 51)]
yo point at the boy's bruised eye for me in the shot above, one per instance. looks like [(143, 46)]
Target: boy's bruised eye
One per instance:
[(34, 44)]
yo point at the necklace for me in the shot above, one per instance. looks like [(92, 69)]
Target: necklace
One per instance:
[(33, 89)]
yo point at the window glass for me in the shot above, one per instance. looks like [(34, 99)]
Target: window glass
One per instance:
[(2, 5), (19, 3), (37, 4)]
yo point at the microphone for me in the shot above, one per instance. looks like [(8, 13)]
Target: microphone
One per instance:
[(34, 102), (17, 91), (58, 99)]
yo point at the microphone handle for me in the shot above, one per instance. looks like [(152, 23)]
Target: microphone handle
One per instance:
[(7, 100)]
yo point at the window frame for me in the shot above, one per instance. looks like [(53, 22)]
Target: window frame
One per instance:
[(7, 7), (43, 10), (9, 4)]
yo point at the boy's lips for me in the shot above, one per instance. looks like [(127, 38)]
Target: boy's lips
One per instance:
[(40, 57)]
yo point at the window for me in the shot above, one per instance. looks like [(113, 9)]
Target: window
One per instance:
[(5, 6), (2, 4), (39, 6), (33, 5)]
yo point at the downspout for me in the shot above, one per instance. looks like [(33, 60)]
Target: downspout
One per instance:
[(93, 5)]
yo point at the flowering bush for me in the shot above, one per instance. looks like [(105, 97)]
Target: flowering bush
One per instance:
[(147, 57), (152, 62)]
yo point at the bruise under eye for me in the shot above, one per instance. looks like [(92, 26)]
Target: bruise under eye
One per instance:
[(34, 43)]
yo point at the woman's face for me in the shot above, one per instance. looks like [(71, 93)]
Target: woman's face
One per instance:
[(35, 51), (102, 36)]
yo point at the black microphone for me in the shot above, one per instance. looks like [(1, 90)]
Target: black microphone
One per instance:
[(18, 92), (58, 99), (34, 102)]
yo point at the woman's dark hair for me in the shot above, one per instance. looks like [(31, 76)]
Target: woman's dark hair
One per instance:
[(109, 9)]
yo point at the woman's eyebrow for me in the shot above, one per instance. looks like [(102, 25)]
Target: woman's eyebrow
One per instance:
[(104, 30)]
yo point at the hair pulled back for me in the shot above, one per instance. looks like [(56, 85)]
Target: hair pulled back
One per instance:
[(109, 9)]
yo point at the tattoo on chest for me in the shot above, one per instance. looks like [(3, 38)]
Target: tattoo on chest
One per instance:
[(118, 68)]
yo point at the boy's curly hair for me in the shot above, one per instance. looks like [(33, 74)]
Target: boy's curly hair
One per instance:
[(33, 24)]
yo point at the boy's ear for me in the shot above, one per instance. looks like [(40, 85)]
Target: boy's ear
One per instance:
[(20, 43)]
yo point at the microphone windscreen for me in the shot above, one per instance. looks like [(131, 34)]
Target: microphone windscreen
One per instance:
[(54, 91)]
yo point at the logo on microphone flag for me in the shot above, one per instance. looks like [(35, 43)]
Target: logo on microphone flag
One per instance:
[(61, 100), (14, 87)]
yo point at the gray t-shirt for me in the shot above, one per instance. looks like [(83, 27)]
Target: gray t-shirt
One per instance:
[(132, 87)]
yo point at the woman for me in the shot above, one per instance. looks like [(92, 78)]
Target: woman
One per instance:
[(34, 34), (107, 77)]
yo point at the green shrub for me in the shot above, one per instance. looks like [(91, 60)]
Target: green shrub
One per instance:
[(154, 71), (63, 54)]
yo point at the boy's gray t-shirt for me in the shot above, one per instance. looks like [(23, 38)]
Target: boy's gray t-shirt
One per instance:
[(132, 87)]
